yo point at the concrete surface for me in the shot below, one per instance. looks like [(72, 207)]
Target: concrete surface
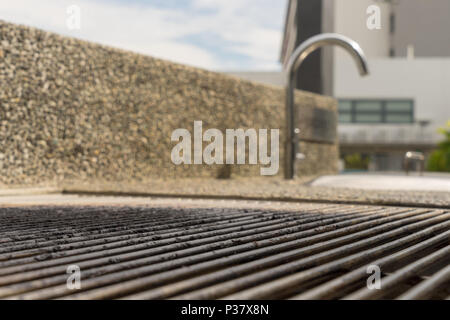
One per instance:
[(262, 188), (386, 182), (175, 202)]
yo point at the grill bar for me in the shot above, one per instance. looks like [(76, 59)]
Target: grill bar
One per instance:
[(146, 261), (143, 282), (314, 251), (272, 260), (403, 274), (335, 287), (128, 234), (157, 224), (426, 288), (310, 261), (97, 233), (341, 264), (255, 227)]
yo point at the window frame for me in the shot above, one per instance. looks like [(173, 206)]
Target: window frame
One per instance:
[(383, 110)]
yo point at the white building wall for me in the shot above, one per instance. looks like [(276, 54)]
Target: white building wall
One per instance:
[(426, 81), (424, 25), (350, 19)]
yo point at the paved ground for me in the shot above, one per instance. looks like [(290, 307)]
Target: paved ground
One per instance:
[(264, 188), (429, 191), (174, 202), (386, 182)]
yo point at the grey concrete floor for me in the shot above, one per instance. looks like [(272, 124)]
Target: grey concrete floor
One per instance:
[(432, 190), (386, 181), (83, 200)]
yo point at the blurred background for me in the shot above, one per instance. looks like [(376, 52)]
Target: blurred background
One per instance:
[(403, 106)]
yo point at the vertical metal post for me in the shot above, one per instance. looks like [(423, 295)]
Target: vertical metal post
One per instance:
[(296, 59)]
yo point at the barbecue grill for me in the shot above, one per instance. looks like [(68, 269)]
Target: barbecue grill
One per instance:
[(317, 251)]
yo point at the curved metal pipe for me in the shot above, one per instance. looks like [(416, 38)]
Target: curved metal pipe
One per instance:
[(296, 59)]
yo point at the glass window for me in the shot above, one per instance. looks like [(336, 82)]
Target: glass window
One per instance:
[(376, 111), (399, 118), (398, 106), (372, 106), (345, 117), (345, 105), (368, 117), (399, 112)]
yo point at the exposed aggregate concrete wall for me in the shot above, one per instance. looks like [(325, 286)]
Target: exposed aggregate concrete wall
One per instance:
[(71, 109)]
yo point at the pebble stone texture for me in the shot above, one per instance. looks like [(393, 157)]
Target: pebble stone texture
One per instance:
[(74, 110)]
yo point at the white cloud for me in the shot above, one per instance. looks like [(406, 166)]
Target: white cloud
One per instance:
[(242, 27), (182, 53), (249, 23)]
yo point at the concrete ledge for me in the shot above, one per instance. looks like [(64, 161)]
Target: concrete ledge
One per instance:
[(267, 189), (28, 191), (257, 188)]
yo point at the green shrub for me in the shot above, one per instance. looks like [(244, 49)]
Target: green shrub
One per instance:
[(440, 159), (356, 161)]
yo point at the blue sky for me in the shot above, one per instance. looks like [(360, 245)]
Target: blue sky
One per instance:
[(213, 34)]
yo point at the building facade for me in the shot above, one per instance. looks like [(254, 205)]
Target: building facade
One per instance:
[(406, 98)]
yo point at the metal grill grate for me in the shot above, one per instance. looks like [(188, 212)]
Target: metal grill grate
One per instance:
[(319, 251)]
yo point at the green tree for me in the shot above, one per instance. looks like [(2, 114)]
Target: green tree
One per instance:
[(440, 159)]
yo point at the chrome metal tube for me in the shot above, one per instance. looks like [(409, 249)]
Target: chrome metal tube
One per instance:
[(294, 63)]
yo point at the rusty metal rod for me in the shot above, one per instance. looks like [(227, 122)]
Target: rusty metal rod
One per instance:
[(73, 220), (343, 263), (57, 232), (145, 282), (146, 261), (20, 251), (133, 247), (224, 288), (113, 247), (226, 274), (146, 227), (190, 217), (202, 254), (426, 288), (334, 288), (401, 275)]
